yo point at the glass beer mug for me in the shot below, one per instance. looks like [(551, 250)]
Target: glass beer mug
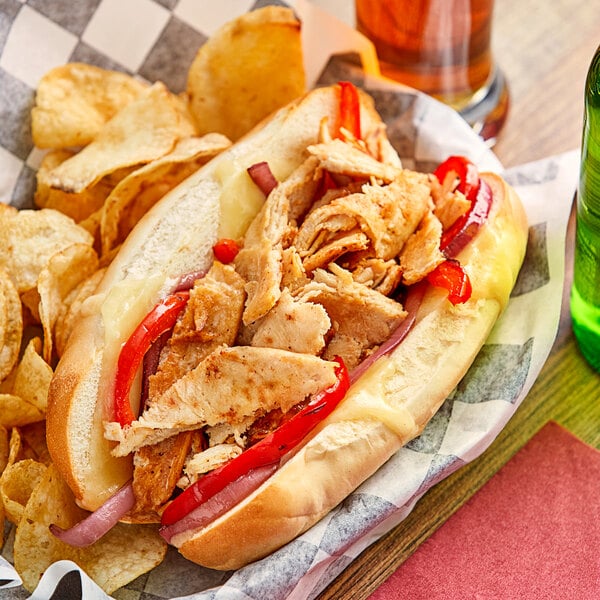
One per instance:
[(443, 48)]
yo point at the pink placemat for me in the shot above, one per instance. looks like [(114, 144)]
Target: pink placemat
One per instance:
[(532, 532)]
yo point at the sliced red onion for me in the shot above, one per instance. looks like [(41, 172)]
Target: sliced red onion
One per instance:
[(98, 523), (186, 282), (221, 502), (412, 304), (263, 177), (476, 217), (150, 363)]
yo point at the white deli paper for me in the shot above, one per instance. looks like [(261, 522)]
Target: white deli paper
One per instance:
[(38, 35)]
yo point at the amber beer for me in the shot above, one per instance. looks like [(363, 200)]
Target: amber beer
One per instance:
[(441, 47)]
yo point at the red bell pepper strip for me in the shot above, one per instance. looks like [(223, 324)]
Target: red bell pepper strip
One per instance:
[(349, 108), (160, 319), (466, 172), (226, 250), (464, 229), (267, 451), (451, 276)]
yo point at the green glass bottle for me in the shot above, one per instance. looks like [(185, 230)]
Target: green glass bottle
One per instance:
[(585, 293)]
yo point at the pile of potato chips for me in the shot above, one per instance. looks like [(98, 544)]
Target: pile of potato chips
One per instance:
[(115, 146)]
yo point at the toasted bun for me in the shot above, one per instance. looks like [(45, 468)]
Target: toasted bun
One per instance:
[(174, 238), (386, 408)]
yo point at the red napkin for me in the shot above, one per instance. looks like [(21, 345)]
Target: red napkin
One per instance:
[(532, 532)]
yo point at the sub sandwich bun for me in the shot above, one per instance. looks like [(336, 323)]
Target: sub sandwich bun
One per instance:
[(309, 304)]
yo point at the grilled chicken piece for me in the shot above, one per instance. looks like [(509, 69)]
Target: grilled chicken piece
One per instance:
[(386, 215), (450, 204), (362, 318), (340, 157), (334, 247), (230, 384), (292, 325), (422, 253), (379, 145), (156, 470), (259, 262), (207, 460), (381, 275), (211, 318), (294, 275)]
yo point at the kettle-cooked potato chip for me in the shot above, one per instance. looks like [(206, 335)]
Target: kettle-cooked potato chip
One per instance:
[(74, 101), (16, 411), (16, 484), (32, 378), (122, 555), (33, 442), (11, 324), (63, 272), (247, 69), (28, 238), (144, 130), (78, 206), (7, 209), (15, 448), (140, 190), (4, 449), (18, 449), (70, 309)]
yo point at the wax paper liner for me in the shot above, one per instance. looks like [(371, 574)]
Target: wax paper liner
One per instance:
[(424, 132)]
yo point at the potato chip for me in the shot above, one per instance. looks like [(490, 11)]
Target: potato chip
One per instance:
[(2, 518), (16, 484), (250, 67), (4, 449), (11, 324), (28, 238), (143, 131), (33, 378), (139, 191), (6, 384), (20, 443), (33, 442), (15, 446), (15, 411), (31, 304), (70, 309), (22, 449), (64, 271), (92, 225), (18, 446), (122, 555), (77, 206), (74, 101)]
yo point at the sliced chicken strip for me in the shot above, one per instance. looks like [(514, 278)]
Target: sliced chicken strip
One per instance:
[(293, 325), (211, 318), (229, 385), (259, 262), (422, 253), (387, 215), (362, 318), (338, 156)]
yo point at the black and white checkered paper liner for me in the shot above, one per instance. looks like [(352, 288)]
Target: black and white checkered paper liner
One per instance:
[(157, 39)]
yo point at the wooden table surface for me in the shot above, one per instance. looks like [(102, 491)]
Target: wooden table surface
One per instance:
[(544, 48)]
